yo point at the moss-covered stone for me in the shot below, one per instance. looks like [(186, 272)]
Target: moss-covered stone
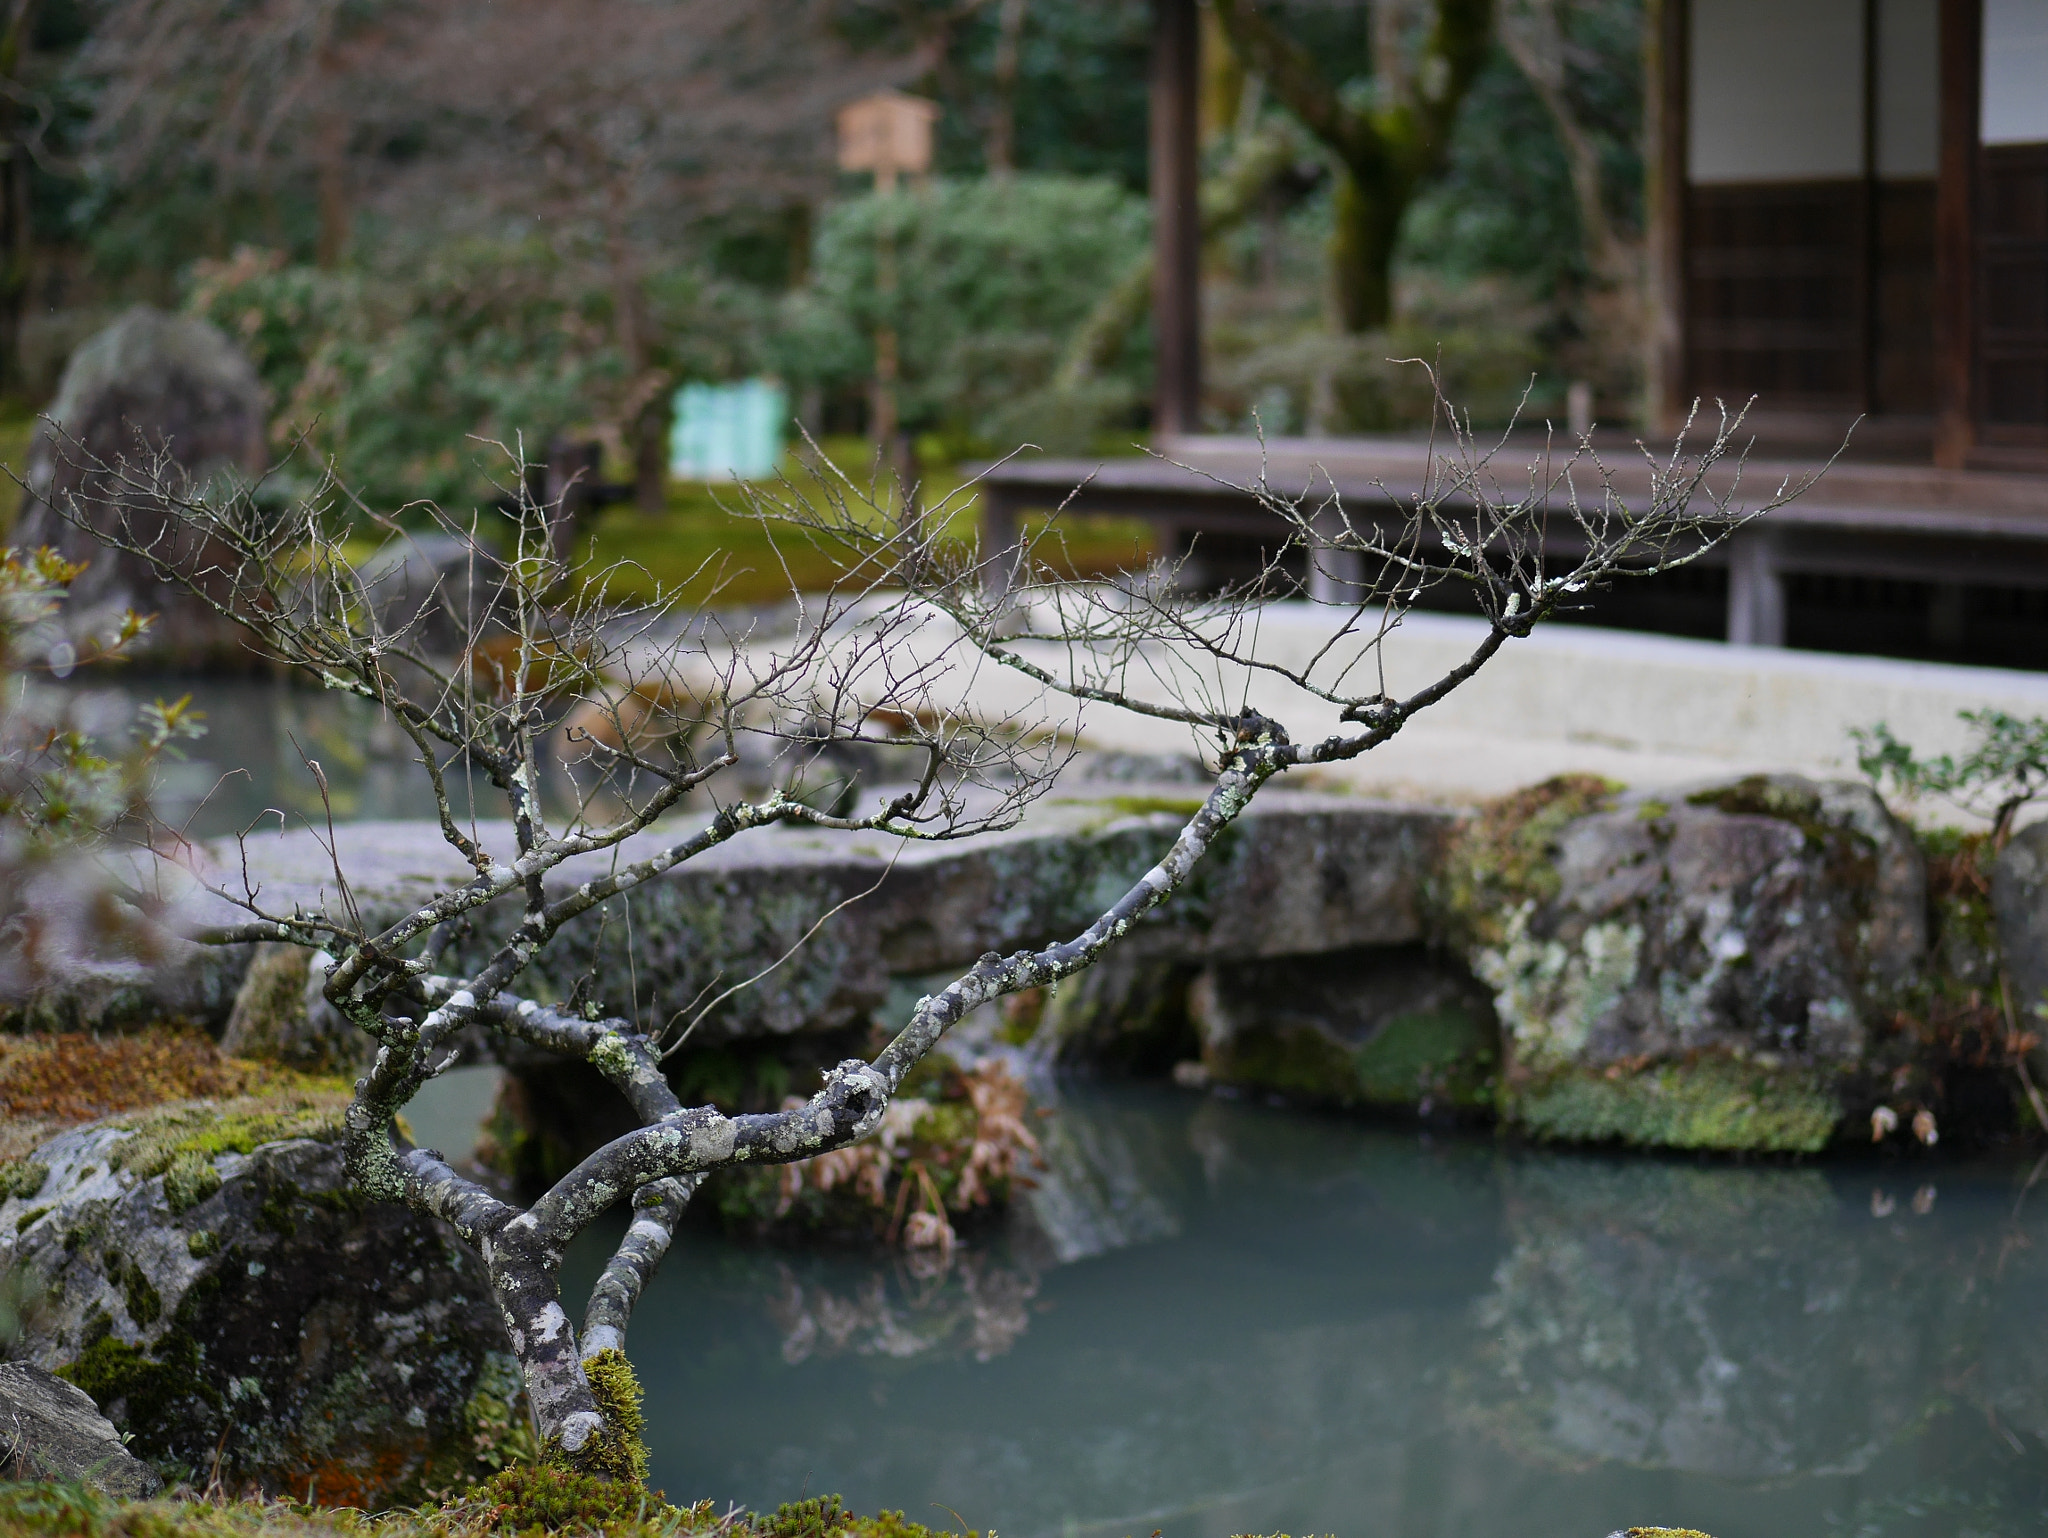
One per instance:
[(1505, 857), (189, 1179), (1706, 1102), (206, 1129), (277, 1323), (23, 1178), (1716, 972), (1393, 1028)]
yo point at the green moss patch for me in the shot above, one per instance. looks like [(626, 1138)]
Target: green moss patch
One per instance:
[(1447, 1056), (825, 1516), (619, 1451), (1505, 856), (534, 1498), (1707, 1103), (152, 1385), (23, 1178), (203, 1130)]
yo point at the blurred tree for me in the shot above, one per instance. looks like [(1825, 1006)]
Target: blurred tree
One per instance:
[(1388, 127), (251, 96), (501, 340), (1543, 183), (617, 126), (590, 136), (994, 275), (36, 37)]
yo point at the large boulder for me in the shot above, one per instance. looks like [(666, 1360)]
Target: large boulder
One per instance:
[(204, 1273), (1699, 971), (149, 385)]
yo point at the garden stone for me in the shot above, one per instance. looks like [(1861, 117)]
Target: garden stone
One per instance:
[(1700, 972), (50, 1429), (203, 1272), (1393, 1027), (281, 1016), (149, 383), (2019, 903), (1301, 872), (430, 587)]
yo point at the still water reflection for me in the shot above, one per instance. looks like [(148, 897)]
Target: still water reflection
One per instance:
[(1335, 1328), (251, 760)]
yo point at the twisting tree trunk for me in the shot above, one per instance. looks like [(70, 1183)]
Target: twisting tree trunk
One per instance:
[(1385, 150), (659, 703)]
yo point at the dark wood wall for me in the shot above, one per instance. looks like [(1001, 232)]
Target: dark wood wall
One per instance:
[(1814, 296), (2012, 296)]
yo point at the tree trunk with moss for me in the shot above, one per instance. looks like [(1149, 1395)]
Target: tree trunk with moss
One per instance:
[(1386, 147)]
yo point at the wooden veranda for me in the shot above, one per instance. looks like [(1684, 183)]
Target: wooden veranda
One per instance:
[(1848, 205)]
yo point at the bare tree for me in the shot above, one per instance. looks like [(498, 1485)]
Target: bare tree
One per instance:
[(677, 703), (259, 96)]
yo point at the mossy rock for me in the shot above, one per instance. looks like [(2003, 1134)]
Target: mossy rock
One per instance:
[(1505, 856), (1707, 1103), (1390, 1028), (1717, 970), (206, 1274)]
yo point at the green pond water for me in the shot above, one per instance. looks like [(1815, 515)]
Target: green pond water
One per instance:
[(1321, 1326)]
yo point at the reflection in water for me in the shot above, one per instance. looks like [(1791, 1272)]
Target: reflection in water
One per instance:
[(259, 733), (1345, 1329), (954, 1304)]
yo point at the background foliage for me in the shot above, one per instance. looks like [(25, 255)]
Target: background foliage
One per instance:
[(414, 270)]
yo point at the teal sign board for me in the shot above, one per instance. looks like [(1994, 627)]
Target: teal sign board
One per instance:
[(728, 432)]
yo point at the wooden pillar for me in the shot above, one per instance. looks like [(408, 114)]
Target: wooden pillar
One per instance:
[(1867, 267), (999, 538), (1756, 589), (1664, 170), (1955, 232), (1176, 218)]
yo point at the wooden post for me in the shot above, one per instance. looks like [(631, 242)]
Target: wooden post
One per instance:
[(1955, 233), (1664, 168), (1176, 218), (1756, 590)]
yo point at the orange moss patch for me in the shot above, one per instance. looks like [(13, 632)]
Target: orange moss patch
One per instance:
[(74, 1078)]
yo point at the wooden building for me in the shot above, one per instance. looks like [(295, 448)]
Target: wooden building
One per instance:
[(1849, 218), (1848, 211)]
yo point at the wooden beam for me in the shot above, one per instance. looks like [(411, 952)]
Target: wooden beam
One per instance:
[(1176, 218), (1664, 168), (1955, 233)]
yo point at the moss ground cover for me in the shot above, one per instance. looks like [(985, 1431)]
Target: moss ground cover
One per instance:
[(705, 539), (1710, 1102), (592, 1507), (51, 1082)]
